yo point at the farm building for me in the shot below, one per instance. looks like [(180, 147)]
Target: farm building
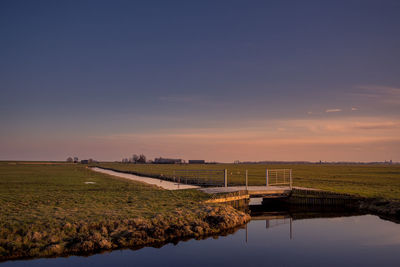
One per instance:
[(196, 161), (167, 161), (87, 161)]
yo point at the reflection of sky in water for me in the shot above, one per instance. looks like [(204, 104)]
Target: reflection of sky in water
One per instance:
[(349, 241)]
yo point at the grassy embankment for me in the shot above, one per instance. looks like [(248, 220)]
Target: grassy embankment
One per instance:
[(48, 209), (381, 181)]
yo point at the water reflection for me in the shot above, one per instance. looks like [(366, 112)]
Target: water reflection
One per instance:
[(283, 215)]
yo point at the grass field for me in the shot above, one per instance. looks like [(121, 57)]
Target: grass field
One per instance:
[(45, 204), (49, 209), (363, 180)]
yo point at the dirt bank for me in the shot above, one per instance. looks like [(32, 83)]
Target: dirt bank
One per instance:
[(86, 238), (386, 209)]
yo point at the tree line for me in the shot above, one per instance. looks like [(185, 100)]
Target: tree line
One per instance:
[(135, 159)]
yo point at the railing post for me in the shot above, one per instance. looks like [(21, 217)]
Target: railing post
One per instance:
[(247, 183), (291, 180), (226, 177), (284, 175), (266, 177)]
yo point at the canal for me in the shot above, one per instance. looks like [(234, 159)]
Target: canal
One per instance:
[(272, 238)]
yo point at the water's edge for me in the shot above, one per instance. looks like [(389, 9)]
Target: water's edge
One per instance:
[(140, 232)]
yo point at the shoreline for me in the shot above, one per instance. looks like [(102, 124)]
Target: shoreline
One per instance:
[(160, 230), (385, 209), (139, 232)]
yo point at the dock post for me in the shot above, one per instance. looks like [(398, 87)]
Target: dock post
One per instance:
[(266, 177), (247, 181), (226, 177)]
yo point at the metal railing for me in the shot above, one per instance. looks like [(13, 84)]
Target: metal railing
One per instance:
[(201, 177), (278, 177), (209, 177)]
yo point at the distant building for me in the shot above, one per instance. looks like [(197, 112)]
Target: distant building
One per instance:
[(196, 161), (167, 161), (87, 161)]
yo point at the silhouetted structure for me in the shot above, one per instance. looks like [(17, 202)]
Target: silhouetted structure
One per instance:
[(196, 161), (167, 161)]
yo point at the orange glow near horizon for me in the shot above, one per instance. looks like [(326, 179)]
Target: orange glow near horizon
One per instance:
[(360, 139)]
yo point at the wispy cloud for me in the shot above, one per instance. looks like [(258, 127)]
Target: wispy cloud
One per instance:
[(378, 89), (271, 130), (333, 110), (386, 94), (378, 125)]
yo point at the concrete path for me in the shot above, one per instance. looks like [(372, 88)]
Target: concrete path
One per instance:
[(153, 181)]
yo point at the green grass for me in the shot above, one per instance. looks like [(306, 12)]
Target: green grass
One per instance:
[(42, 204), (62, 187), (363, 180)]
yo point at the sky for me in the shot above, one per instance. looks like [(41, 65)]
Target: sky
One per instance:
[(214, 80)]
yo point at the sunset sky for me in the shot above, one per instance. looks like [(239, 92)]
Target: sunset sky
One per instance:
[(214, 80)]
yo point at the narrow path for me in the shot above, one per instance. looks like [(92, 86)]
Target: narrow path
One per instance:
[(153, 181)]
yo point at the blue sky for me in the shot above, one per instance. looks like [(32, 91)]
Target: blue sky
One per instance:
[(219, 80)]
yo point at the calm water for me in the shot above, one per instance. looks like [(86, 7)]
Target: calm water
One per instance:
[(342, 241)]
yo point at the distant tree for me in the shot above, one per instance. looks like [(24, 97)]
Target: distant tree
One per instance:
[(135, 158), (141, 159), (70, 159), (125, 160)]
